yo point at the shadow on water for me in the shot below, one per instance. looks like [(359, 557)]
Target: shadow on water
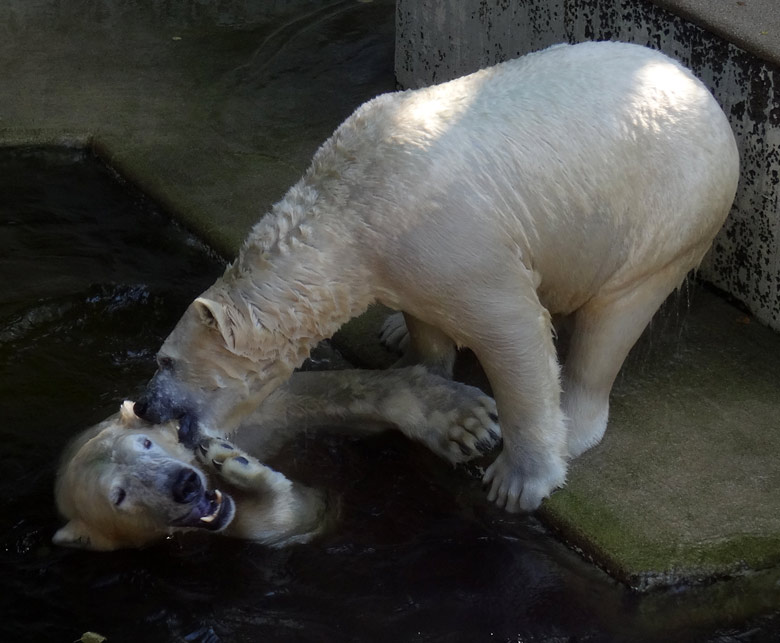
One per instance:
[(94, 277)]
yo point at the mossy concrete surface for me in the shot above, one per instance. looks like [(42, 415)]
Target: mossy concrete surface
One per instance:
[(216, 116), (686, 483)]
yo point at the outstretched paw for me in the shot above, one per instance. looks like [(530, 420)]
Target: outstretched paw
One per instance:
[(466, 432), (516, 491), (238, 468)]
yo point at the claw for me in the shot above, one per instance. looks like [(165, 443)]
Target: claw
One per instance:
[(217, 465), (484, 446)]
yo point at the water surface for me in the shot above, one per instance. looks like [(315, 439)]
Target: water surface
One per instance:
[(93, 279)]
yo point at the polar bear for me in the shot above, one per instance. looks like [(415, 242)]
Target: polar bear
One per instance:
[(582, 182), (126, 483)]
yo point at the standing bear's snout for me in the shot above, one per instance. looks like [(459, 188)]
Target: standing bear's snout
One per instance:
[(162, 402)]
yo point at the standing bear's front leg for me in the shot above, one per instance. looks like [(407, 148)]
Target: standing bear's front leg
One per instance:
[(511, 335)]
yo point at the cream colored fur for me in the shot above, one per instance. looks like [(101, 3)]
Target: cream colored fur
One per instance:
[(127, 483), (582, 181)]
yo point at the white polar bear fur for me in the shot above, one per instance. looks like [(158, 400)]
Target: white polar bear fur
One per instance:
[(116, 483), (582, 181)]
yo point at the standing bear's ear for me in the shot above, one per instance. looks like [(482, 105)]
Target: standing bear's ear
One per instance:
[(210, 312), (214, 315), (78, 535)]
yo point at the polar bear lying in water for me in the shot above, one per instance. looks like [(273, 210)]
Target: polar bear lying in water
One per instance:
[(126, 483), (581, 183)]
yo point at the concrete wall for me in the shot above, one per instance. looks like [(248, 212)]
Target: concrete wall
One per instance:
[(437, 40)]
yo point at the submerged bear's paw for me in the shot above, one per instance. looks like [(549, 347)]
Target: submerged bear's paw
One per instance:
[(238, 468), (516, 490), (214, 451), (466, 432)]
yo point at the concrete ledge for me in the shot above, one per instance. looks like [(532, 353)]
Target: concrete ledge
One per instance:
[(752, 25), (686, 484)]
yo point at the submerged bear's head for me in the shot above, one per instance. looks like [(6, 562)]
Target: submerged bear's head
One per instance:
[(126, 483)]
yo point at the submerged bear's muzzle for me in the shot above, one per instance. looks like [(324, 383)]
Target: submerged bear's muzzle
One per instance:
[(210, 509)]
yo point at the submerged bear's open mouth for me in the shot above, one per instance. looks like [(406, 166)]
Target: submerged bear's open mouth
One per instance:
[(214, 511)]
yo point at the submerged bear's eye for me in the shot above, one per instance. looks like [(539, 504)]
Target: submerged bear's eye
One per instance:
[(119, 495), (147, 443), (165, 362)]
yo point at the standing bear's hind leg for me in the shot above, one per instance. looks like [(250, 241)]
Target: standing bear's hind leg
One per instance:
[(604, 331), (420, 343)]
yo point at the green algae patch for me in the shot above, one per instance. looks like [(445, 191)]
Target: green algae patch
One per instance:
[(685, 486), (622, 548), (602, 537)]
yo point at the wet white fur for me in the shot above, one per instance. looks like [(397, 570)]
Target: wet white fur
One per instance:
[(453, 420), (582, 182)]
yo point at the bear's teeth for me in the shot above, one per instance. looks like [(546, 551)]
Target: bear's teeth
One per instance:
[(213, 515)]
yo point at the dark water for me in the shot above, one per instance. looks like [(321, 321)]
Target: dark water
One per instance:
[(93, 278)]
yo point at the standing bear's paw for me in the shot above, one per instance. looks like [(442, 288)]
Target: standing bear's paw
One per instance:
[(522, 488), (393, 334), (238, 468)]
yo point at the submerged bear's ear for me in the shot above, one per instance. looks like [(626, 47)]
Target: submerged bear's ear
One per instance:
[(78, 535), (214, 315), (127, 412)]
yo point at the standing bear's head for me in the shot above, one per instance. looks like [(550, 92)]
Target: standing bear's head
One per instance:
[(212, 370)]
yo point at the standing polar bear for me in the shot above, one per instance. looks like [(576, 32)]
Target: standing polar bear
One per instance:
[(582, 182)]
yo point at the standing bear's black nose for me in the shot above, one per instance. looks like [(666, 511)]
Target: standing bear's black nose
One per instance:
[(187, 486), (141, 409), (149, 408)]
